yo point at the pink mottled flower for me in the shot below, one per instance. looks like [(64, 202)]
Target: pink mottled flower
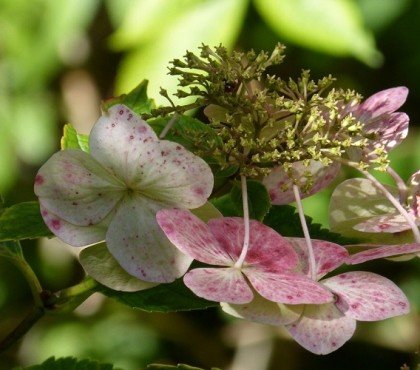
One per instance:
[(386, 127), (360, 296), (114, 192), (385, 251), (323, 328), (280, 184), (268, 266)]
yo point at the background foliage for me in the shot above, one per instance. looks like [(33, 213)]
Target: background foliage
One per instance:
[(59, 58)]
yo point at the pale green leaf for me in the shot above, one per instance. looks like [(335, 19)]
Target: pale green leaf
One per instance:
[(104, 268), (73, 140), (330, 26), (206, 212), (180, 25)]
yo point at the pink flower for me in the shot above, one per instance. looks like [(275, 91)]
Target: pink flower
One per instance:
[(114, 192), (380, 120), (280, 184), (268, 266), (360, 296), (323, 328)]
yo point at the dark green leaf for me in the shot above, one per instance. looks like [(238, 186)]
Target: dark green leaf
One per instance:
[(11, 250), (136, 100), (72, 140), (172, 367), (22, 221), (285, 220), (226, 206), (69, 363), (163, 298), (258, 199)]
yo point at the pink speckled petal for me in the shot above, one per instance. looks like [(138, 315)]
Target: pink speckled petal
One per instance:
[(385, 101), (118, 138), (279, 185), (264, 311), (390, 223), (328, 256), (76, 188), (137, 242), (383, 252), (77, 236), (192, 237), (219, 284), (366, 296), (414, 188), (322, 329), (288, 287), (268, 250), (391, 131)]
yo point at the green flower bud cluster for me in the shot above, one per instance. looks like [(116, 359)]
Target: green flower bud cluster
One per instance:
[(262, 120)]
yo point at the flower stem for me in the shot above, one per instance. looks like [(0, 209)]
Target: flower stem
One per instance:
[(245, 207), (389, 196), (311, 255), (168, 126), (402, 188)]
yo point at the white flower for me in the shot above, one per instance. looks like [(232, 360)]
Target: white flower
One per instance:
[(114, 192)]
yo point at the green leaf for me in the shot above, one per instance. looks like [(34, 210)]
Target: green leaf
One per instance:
[(175, 367), (189, 132), (285, 220), (136, 100), (226, 206), (104, 268), (69, 363), (73, 140), (163, 298), (11, 250), (22, 221), (331, 26), (206, 212), (356, 200), (258, 199)]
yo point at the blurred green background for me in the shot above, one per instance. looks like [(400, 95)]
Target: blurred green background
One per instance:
[(60, 58)]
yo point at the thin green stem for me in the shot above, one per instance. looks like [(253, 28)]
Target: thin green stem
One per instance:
[(245, 207), (311, 255)]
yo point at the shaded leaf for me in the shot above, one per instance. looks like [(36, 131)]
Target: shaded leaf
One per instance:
[(69, 363), (11, 250), (163, 298), (174, 367), (258, 199), (285, 220), (136, 100), (22, 221)]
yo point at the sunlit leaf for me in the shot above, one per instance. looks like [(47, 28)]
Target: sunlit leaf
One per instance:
[(182, 25), (163, 298), (69, 363), (22, 221), (73, 140), (330, 26)]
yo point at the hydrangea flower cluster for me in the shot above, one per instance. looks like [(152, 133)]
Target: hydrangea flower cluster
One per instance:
[(138, 192)]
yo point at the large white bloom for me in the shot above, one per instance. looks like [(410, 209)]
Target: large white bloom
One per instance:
[(114, 192)]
